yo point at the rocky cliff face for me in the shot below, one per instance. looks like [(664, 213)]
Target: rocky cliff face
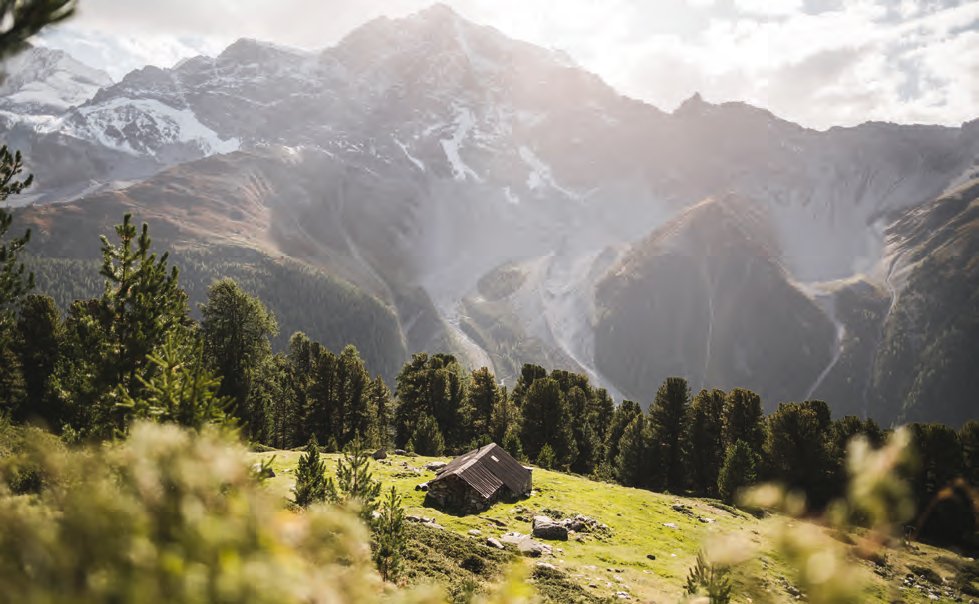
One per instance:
[(511, 206)]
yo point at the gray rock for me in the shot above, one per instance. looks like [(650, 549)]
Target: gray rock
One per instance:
[(435, 466), (475, 532), (493, 542), (526, 545), (421, 487), (546, 565), (400, 452), (380, 453), (546, 528)]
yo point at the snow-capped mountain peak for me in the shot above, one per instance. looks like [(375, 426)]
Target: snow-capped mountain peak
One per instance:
[(46, 82)]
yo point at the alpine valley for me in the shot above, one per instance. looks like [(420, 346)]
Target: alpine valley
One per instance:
[(430, 184)]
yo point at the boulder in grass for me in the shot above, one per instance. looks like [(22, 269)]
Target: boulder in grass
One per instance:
[(494, 542), (546, 528), (380, 454), (435, 466)]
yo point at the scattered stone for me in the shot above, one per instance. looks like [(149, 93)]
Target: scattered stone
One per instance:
[(593, 585), (419, 519), (546, 528), (494, 542), (526, 545), (621, 595), (380, 454), (475, 532), (435, 466), (650, 556), (683, 509), (421, 487), (400, 452), (671, 525), (705, 519), (546, 565)]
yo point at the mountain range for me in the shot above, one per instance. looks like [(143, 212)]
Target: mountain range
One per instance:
[(431, 184)]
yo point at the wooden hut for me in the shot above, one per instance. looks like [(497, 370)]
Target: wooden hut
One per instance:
[(474, 481)]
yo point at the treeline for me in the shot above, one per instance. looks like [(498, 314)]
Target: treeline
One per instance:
[(135, 352)]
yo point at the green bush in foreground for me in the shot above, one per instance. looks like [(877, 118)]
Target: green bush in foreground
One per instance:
[(170, 516)]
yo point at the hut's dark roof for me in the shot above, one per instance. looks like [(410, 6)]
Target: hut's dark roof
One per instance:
[(486, 469)]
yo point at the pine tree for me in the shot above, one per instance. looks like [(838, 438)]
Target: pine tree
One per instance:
[(430, 385), (358, 416), (705, 437), (142, 302), (15, 280), (482, 397), (311, 481), (380, 399), (355, 483), (667, 415), (546, 421), (621, 418), (237, 328), (390, 540), (632, 461), (969, 437), (177, 387), (511, 443), (427, 439), (505, 419), (743, 419), (738, 470), (546, 458), (37, 344), (585, 439), (711, 580), (797, 449)]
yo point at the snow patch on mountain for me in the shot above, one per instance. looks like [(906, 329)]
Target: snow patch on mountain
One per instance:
[(540, 173), (464, 123), (142, 126)]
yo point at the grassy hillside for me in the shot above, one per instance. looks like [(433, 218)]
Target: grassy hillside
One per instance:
[(642, 523)]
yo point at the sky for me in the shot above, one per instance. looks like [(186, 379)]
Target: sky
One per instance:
[(820, 63)]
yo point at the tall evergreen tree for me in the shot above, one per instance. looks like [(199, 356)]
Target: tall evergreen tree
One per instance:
[(380, 399), (142, 300), (324, 415), (667, 415), (632, 461), (621, 418), (358, 417), (237, 328), (15, 280), (505, 419), (743, 419), (434, 385), (37, 344), (427, 439), (546, 421), (705, 437), (582, 431), (738, 470), (482, 397), (797, 449)]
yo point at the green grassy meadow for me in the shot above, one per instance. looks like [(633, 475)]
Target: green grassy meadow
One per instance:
[(644, 525)]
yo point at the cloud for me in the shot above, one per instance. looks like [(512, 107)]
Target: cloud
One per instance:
[(818, 62)]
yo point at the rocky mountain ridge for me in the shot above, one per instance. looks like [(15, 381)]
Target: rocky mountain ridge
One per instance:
[(429, 161)]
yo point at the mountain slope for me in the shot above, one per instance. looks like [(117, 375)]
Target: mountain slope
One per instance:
[(427, 158)]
